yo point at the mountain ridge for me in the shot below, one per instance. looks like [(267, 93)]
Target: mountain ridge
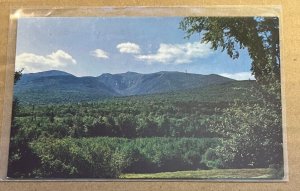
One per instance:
[(59, 84)]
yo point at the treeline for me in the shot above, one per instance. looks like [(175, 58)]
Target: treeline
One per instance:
[(228, 91), (108, 157), (121, 118)]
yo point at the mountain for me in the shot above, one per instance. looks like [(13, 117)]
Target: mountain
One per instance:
[(32, 76), (57, 86), (131, 83)]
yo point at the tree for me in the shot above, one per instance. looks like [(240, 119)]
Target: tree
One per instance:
[(260, 36), (17, 76), (19, 152), (252, 138), (15, 105), (252, 133)]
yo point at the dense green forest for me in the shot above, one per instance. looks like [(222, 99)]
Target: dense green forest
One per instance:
[(136, 134)]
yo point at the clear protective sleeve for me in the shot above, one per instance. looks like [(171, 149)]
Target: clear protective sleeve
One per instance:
[(110, 12)]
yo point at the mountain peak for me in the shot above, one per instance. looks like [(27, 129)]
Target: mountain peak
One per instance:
[(129, 72), (51, 73), (160, 72)]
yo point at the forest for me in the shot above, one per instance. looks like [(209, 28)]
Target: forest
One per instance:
[(136, 134)]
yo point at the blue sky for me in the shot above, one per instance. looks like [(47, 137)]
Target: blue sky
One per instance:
[(92, 46)]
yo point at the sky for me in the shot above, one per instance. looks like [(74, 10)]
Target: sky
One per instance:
[(92, 46)]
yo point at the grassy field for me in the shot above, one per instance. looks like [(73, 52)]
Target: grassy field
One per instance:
[(259, 173)]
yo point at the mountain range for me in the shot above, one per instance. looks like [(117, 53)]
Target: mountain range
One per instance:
[(60, 86)]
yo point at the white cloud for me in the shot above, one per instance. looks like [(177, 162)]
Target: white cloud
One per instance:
[(100, 53), (177, 53), (129, 47), (239, 76), (34, 63)]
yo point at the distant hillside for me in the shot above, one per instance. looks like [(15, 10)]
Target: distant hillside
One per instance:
[(131, 83), (226, 92), (57, 86), (33, 76)]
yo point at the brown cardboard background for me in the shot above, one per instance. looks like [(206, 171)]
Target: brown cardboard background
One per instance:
[(290, 52)]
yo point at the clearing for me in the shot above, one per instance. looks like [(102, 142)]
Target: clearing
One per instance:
[(258, 173)]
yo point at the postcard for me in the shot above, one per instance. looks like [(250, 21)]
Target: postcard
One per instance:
[(147, 98)]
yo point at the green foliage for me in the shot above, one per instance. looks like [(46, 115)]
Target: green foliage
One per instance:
[(108, 157), (17, 76), (211, 158), (259, 35), (19, 152), (251, 132), (252, 136), (161, 132), (170, 154), (80, 158), (185, 114)]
